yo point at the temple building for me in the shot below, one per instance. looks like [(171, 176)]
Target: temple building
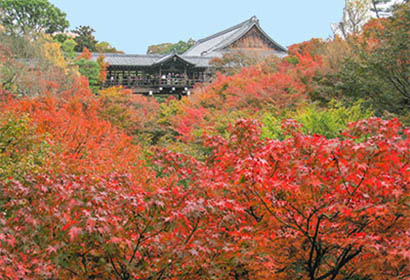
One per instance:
[(176, 74)]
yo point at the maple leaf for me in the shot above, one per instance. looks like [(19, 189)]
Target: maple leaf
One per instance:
[(52, 249), (73, 233)]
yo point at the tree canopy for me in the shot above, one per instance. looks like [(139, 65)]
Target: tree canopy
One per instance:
[(381, 71), (166, 48), (85, 38), (105, 47), (31, 16)]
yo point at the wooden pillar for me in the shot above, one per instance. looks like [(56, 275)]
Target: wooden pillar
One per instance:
[(116, 78), (160, 75), (128, 77), (108, 78)]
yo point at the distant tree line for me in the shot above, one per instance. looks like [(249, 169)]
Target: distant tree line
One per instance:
[(166, 48)]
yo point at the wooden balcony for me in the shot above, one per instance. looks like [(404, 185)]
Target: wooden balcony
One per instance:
[(152, 82)]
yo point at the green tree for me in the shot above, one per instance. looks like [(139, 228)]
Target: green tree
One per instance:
[(61, 37), (91, 70), (68, 48), (166, 48), (22, 150), (327, 122), (85, 39), (31, 16), (105, 47)]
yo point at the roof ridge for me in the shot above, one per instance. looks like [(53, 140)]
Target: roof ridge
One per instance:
[(222, 44), (280, 47), (196, 56), (250, 20), (242, 29), (169, 56), (255, 22), (126, 54)]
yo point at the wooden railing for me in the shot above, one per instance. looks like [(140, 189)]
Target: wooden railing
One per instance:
[(150, 83)]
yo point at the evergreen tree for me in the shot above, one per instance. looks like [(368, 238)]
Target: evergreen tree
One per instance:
[(85, 39)]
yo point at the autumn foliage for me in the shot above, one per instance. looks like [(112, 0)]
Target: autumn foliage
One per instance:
[(315, 208), (249, 93), (271, 173), (306, 206)]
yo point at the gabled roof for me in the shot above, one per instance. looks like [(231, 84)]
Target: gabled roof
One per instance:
[(172, 56), (210, 46), (198, 55)]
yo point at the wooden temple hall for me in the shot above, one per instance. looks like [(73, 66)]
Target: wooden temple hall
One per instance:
[(177, 74)]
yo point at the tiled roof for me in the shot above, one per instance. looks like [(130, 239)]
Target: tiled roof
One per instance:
[(171, 56), (199, 61), (117, 59), (200, 54), (212, 45)]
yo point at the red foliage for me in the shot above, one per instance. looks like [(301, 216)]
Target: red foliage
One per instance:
[(317, 207), (370, 36), (113, 226), (253, 89), (303, 208), (311, 47), (191, 118), (134, 113), (98, 211)]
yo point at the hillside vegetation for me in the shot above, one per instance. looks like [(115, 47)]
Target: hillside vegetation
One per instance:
[(293, 168)]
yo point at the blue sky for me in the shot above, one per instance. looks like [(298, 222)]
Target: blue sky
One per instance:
[(133, 25)]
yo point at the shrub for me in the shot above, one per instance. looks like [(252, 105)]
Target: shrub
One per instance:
[(328, 122)]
